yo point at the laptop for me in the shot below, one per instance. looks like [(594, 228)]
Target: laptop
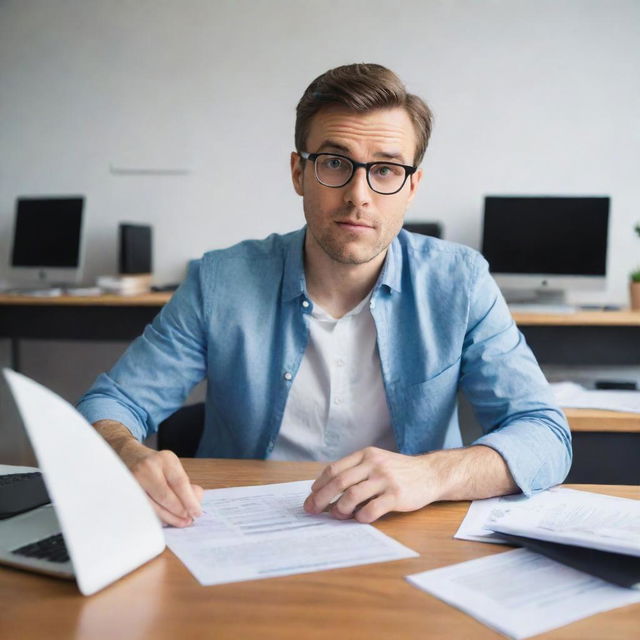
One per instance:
[(100, 524)]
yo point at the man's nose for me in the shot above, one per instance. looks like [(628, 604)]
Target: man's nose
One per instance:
[(357, 191)]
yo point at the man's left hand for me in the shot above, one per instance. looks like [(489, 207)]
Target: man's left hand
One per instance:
[(373, 482)]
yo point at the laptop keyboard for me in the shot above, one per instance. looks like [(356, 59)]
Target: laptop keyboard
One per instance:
[(21, 492), (52, 548)]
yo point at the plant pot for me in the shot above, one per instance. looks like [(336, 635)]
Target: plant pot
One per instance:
[(634, 295)]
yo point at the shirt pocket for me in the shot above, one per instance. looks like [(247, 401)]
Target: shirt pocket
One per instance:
[(428, 408)]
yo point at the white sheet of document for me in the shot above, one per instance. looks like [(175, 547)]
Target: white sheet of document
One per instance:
[(574, 517), (474, 526), (560, 515), (570, 394), (246, 533), (520, 593)]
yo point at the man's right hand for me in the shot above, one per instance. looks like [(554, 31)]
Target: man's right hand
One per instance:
[(160, 473)]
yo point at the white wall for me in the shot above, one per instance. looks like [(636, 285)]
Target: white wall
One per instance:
[(530, 96)]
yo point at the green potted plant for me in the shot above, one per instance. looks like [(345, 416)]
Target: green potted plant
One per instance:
[(634, 284)]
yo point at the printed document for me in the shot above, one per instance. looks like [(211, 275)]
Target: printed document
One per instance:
[(559, 515), (574, 517), (570, 394), (246, 533), (520, 593)]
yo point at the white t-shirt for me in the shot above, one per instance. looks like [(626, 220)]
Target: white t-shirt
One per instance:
[(337, 402)]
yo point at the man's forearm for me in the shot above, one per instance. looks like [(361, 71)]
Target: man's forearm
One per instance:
[(471, 473), (122, 441), (160, 473)]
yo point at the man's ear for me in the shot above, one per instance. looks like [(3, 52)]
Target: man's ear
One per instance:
[(413, 184), (297, 173)]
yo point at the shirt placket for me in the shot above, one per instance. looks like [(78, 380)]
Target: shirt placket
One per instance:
[(338, 396)]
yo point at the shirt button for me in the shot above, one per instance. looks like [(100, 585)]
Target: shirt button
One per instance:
[(288, 376), (305, 304), (340, 363), (372, 304), (337, 401)]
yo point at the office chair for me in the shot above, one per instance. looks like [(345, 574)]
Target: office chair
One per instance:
[(425, 228), (182, 430)]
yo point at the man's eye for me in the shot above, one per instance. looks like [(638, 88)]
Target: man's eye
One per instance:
[(386, 170), (334, 163)]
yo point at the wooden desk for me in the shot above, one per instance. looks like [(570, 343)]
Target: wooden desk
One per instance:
[(106, 317), (584, 337), (596, 420), (162, 600)]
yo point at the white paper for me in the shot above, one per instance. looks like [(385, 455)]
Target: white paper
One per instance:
[(573, 517), (107, 521), (246, 533), (570, 394), (520, 593), (474, 526)]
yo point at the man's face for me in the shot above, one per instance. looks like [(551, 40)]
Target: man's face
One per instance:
[(353, 224)]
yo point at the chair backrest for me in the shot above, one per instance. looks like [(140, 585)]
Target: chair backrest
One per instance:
[(425, 228), (181, 431)]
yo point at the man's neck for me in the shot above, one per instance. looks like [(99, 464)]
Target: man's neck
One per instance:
[(338, 287)]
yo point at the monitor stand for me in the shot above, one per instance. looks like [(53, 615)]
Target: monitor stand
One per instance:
[(538, 301), (535, 296)]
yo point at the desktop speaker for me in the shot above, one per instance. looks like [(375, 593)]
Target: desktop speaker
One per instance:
[(135, 249)]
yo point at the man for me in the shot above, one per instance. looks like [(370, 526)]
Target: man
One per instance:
[(349, 333)]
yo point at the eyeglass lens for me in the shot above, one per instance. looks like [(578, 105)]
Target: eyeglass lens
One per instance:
[(336, 171)]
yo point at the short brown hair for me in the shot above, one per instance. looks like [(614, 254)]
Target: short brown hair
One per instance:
[(362, 87)]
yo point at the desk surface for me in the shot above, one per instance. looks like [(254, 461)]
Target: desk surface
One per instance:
[(580, 318), (162, 599), (600, 420), (107, 300)]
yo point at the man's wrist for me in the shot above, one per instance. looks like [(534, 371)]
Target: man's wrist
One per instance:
[(122, 441), (469, 473)]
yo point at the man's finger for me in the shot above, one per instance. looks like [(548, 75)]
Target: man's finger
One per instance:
[(178, 480), (167, 517), (155, 484), (337, 467), (320, 499), (355, 497), (375, 508)]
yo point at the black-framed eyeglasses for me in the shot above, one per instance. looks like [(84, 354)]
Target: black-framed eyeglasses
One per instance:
[(334, 170)]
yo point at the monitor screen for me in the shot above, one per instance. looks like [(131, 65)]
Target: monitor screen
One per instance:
[(546, 235), (47, 232)]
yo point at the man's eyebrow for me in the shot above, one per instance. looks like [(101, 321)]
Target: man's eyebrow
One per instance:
[(390, 155), (331, 145)]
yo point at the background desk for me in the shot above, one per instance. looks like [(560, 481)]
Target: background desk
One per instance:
[(162, 600), (587, 337), (106, 317), (584, 337)]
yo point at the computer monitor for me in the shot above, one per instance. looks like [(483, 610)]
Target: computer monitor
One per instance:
[(539, 247), (47, 240)]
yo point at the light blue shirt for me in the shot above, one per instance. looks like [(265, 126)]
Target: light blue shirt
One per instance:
[(240, 320)]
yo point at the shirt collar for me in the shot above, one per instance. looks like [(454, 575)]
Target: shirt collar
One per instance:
[(391, 274), (294, 283)]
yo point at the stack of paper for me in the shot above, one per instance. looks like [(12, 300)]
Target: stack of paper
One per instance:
[(570, 394), (591, 543), (126, 285)]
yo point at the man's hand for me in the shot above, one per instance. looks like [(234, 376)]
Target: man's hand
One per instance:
[(160, 473), (372, 482)]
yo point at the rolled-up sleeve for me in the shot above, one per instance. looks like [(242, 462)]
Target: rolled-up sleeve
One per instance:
[(158, 370), (510, 396)]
